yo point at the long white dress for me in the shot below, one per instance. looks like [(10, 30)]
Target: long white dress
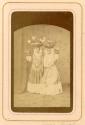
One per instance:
[(51, 78)]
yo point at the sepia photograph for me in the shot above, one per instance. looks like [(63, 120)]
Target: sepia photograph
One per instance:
[(42, 61)]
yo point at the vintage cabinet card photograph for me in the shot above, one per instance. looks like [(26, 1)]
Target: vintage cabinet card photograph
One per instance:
[(42, 62), (41, 58)]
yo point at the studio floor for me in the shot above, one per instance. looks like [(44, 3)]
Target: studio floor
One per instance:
[(27, 99)]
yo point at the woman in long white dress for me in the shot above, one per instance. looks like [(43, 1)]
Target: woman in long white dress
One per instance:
[(36, 71), (51, 80)]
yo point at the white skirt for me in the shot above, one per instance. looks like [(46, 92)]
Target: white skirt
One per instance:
[(45, 89)]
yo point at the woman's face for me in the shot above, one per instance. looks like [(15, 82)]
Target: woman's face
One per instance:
[(47, 51), (36, 49)]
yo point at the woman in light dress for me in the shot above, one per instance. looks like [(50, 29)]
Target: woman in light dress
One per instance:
[(36, 71), (51, 78), (44, 77)]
